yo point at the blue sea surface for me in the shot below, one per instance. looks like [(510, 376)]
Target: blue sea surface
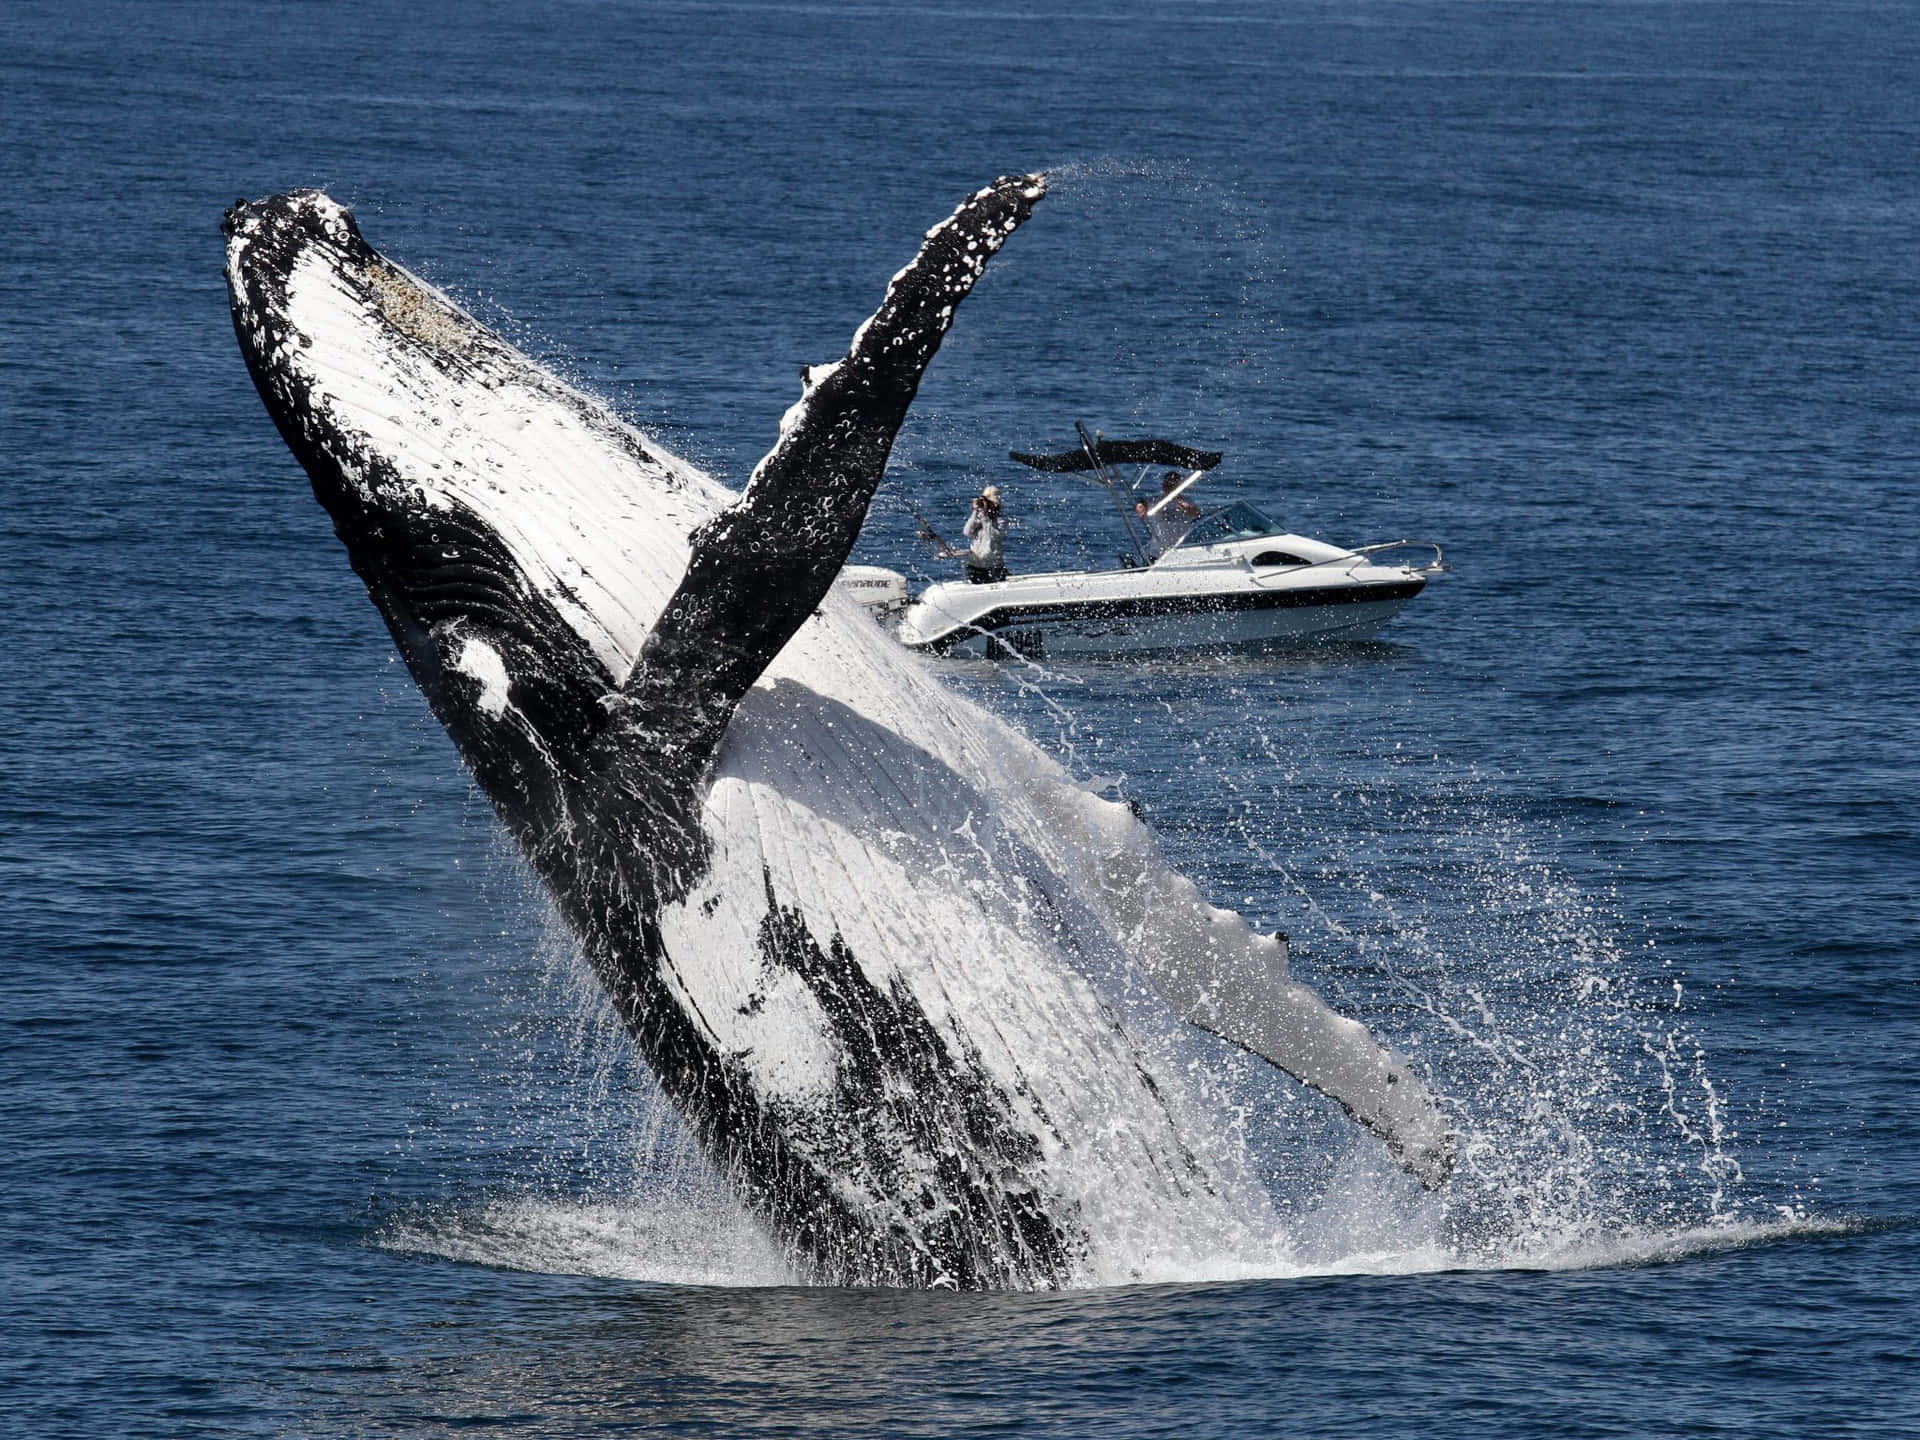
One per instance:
[(311, 1126)]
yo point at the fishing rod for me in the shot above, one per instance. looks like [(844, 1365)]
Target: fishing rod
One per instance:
[(1091, 445), (928, 534)]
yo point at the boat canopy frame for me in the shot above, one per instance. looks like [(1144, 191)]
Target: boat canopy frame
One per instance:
[(1096, 457)]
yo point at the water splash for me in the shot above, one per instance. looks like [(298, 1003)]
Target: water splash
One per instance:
[(1592, 1132), (661, 1236), (1422, 900), (1582, 1096), (1440, 911)]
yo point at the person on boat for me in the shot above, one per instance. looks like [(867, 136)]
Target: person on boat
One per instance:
[(1169, 525), (986, 534)]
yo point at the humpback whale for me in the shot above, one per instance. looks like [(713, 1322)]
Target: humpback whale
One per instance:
[(863, 932)]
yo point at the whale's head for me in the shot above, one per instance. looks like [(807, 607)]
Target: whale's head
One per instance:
[(522, 541), (519, 539)]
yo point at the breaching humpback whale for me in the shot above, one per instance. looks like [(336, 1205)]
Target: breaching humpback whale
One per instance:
[(857, 926)]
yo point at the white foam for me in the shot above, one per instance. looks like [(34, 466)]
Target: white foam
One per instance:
[(668, 1240), (681, 1239)]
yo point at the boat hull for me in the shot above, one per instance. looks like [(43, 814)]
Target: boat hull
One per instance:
[(1108, 626)]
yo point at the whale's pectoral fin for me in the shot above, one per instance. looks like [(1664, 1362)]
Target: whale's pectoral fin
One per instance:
[(1286, 1024), (761, 567), (1221, 975), (1217, 972)]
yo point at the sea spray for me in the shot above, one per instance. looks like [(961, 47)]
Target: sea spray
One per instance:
[(560, 1154), (1435, 909), (1417, 894)]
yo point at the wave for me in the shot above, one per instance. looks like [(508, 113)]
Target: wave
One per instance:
[(677, 1240), (664, 1240)]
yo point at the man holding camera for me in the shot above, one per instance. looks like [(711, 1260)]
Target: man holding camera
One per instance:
[(986, 534)]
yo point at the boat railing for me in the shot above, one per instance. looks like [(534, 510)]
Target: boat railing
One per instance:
[(1436, 566), (1433, 567)]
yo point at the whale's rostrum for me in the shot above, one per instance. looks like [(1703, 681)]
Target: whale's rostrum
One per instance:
[(853, 921)]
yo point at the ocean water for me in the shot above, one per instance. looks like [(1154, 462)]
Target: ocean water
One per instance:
[(311, 1125)]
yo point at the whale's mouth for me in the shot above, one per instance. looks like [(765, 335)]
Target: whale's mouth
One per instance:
[(471, 488)]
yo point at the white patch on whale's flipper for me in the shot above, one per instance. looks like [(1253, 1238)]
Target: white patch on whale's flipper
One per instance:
[(1219, 973), (481, 662)]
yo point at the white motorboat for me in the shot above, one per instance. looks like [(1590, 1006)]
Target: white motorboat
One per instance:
[(1196, 579)]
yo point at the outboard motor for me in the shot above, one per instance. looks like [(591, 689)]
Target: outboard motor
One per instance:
[(883, 592)]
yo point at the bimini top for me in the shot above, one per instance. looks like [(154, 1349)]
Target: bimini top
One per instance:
[(1104, 452)]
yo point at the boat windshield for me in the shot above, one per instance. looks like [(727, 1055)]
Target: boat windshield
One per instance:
[(1239, 521)]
